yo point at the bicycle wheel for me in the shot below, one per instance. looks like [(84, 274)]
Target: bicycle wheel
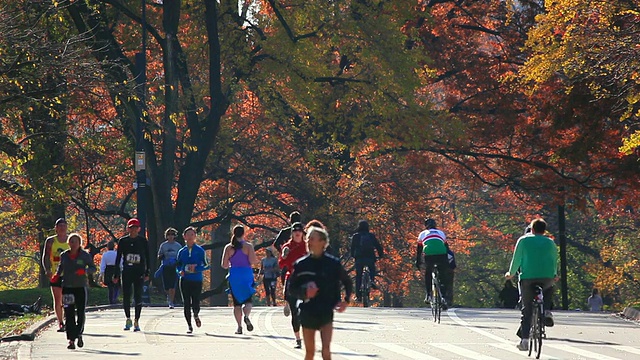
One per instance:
[(539, 330), (436, 305), (366, 287), (533, 330)]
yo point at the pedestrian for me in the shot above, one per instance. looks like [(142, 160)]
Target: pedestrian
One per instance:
[(270, 272), (133, 251), (53, 247), (108, 272), (595, 301), (167, 254), (72, 271), (509, 295), (317, 280), (239, 257), (292, 250), (191, 262)]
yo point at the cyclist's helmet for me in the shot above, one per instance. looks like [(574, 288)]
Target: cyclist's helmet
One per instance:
[(430, 223)]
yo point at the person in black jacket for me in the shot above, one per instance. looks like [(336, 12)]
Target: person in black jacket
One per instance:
[(363, 249), (134, 253), (317, 280)]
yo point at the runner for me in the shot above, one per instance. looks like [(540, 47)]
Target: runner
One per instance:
[(317, 279), (53, 247), (72, 271), (134, 253), (270, 271), (167, 254), (108, 271), (292, 250), (238, 257), (191, 262)]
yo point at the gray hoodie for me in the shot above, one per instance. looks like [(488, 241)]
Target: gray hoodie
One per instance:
[(74, 271)]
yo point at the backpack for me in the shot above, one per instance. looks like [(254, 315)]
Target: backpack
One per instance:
[(365, 245)]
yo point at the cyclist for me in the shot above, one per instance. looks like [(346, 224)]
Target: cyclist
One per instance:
[(537, 258), (431, 243), (363, 249)]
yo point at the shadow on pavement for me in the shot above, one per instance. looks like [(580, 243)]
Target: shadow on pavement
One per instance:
[(275, 337), (103, 352), (355, 322), (479, 327), (166, 334), (348, 329), (345, 353), (102, 335), (577, 341), (244, 337)]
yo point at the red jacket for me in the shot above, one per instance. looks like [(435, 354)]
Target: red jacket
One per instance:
[(296, 251)]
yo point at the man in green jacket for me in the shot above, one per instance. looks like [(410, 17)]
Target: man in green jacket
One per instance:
[(537, 258)]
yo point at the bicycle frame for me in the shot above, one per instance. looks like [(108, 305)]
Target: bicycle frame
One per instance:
[(436, 305), (537, 331)]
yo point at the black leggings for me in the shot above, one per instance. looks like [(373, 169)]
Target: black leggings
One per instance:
[(190, 291), (295, 315), (443, 270), (74, 315), (136, 280), (270, 289)]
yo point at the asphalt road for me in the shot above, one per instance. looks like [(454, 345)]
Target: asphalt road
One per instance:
[(373, 333)]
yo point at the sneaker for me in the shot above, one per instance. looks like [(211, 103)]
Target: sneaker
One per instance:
[(523, 345), (298, 344), (239, 331), (128, 324), (548, 318), (171, 305), (249, 324), (80, 341), (428, 299), (190, 331), (198, 322), (287, 309), (136, 326), (62, 328), (71, 345)]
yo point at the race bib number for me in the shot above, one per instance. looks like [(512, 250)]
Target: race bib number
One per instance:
[(133, 259), (190, 268), (68, 299)]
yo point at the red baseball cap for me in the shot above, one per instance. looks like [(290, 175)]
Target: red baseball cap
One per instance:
[(133, 222)]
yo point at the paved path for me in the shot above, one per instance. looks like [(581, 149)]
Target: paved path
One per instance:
[(374, 333)]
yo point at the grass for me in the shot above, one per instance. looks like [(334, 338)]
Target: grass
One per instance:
[(17, 324)]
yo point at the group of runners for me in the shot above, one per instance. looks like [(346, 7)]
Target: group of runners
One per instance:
[(315, 284)]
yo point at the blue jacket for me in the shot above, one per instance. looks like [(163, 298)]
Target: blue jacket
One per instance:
[(193, 262)]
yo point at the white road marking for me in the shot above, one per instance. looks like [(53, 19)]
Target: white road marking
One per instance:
[(512, 348), (629, 349), (461, 351), (412, 354), (581, 352), (453, 316)]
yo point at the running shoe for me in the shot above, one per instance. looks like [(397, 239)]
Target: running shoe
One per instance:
[(62, 328), (298, 344), (171, 306), (548, 318), (128, 324), (249, 324), (239, 331), (523, 345), (199, 323), (287, 309), (80, 341), (71, 345), (136, 326), (190, 331)]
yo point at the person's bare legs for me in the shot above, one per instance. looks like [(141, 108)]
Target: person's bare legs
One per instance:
[(237, 313), (246, 309), (309, 336), (326, 333), (56, 292)]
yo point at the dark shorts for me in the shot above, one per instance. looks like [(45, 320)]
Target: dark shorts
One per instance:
[(169, 277), (315, 321), (238, 303), (57, 283)]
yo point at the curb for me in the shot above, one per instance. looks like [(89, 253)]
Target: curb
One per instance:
[(631, 313), (30, 333)]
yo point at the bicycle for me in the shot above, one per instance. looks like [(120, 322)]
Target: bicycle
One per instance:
[(537, 332), (365, 287), (436, 303)]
